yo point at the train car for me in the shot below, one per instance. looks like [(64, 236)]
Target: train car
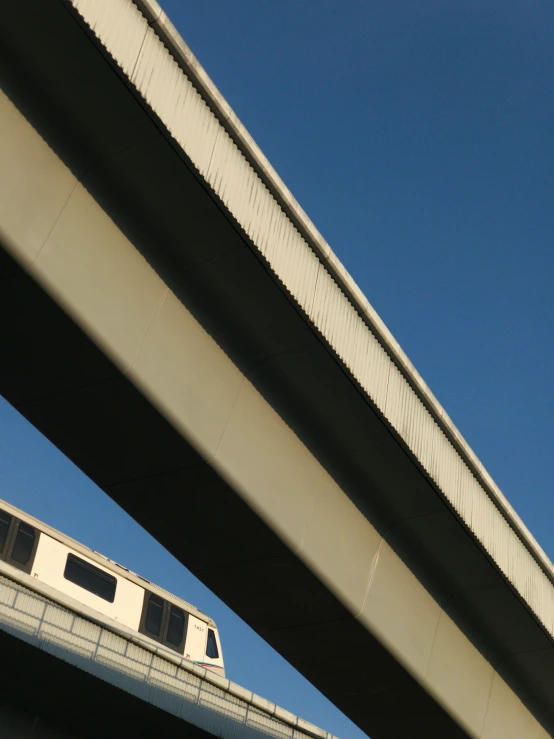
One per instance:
[(109, 588)]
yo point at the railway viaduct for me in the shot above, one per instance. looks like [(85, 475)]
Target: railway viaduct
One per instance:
[(172, 320)]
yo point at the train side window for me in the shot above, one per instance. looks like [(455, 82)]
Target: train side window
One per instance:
[(211, 648), (19, 542), (164, 622), (154, 614), (5, 522), (175, 626), (90, 578), (22, 549)]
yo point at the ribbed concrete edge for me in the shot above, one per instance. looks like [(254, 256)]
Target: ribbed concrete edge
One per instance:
[(60, 625), (182, 54)]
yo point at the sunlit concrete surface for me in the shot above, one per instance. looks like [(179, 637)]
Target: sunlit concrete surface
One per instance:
[(174, 323)]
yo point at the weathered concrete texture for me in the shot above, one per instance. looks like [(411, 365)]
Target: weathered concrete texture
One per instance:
[(145, 339)]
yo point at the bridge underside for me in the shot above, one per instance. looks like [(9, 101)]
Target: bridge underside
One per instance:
[(47, 698), (69, 671), (101, 410), (106, 427)]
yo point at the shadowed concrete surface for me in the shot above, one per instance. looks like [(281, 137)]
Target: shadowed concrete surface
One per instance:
[(144, 337), (42, 696), (92, 676)]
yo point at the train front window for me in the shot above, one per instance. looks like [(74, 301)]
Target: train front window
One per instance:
[(5, 521), (90, 578), (154, 612), (211, 649), (176, 626), (23, 545)]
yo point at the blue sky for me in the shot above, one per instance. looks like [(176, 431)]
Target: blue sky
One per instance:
[(419, 137)]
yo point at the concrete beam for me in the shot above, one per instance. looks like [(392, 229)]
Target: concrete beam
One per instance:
[(324, 585), (150, 341)]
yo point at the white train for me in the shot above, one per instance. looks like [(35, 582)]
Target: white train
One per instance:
[(107, 587)]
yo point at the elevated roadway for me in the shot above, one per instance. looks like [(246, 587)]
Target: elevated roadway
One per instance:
[(68, 671), (172, 321)]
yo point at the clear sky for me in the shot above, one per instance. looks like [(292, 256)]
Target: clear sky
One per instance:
[(419, 137)]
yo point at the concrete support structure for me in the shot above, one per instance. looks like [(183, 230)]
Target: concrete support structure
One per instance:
[(151, 338), (70, 671)]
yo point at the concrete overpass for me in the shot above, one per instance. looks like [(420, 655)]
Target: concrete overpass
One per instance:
[(68, 671), (172, 320)]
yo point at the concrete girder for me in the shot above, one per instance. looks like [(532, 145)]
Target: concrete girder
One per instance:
[(157, 409)]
